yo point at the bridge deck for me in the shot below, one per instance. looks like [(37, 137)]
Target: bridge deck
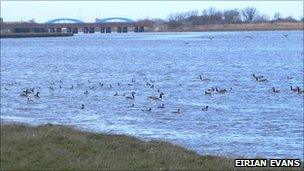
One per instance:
[(72, 25)]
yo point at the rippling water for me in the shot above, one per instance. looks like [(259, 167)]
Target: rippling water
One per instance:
[(249, 120)]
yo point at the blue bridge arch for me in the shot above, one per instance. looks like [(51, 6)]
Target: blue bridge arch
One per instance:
[(62, 20), (104, 20)]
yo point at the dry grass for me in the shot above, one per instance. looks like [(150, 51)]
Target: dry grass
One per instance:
[(234, 27), (55, 147)]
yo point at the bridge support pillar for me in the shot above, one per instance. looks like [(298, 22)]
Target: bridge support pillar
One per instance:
[(108, 30), (119, 29), (52, 30), (85, 30), (136, 29), (75, 30), (58, 30), (69, 30), (141, 29), (102, 29), (125, 29), (92, 30)]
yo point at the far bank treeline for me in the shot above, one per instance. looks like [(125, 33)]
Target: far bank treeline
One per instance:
[(214, 16)]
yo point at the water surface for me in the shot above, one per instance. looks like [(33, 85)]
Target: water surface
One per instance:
[(249, 120)]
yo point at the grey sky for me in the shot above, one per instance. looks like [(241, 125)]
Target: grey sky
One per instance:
[(88, 11)]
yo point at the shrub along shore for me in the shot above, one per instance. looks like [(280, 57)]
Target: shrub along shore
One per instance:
[(56, 147)]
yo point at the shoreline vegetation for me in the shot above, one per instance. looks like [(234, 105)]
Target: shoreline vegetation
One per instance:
[(212, 19), (276, 26), (57, 147)]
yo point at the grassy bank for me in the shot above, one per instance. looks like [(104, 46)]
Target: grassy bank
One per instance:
[(230, 27), (24, 35), (60, 147)]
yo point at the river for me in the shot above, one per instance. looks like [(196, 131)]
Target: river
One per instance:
[(247, 120)]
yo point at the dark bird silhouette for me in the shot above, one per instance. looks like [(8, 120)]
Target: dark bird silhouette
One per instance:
[(222, 91), (275, 90), (132, 97), (211, 89), (147, 110), (261, 80), (205, 108), (29, 100), (289, 78), (157, 98), (257, 77), (250, 37), (161, 106), (82, 106), (25, 92), (178, 111), (294, 89), (207, 93), (37, 94), (299, 91)]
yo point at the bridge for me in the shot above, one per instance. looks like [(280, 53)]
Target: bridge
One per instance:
[(70, 25)]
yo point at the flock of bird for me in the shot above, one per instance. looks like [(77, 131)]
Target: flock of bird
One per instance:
[(34, 93)]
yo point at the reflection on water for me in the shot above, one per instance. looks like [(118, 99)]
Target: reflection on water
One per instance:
[(248, 120)]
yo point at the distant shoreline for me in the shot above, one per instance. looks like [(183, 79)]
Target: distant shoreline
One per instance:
[(26, 35), (163, 28), (276, 26)]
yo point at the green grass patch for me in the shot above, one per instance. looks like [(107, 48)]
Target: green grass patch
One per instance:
[(55, 147)]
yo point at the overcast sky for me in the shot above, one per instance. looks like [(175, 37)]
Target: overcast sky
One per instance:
[(88, 11)]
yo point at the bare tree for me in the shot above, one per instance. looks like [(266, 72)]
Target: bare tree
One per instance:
[(211, 15), (194, 13), (176, 19), (277, 16), (193, 17), (261, 18), (249, 13), (232, 16), (289, 19)]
